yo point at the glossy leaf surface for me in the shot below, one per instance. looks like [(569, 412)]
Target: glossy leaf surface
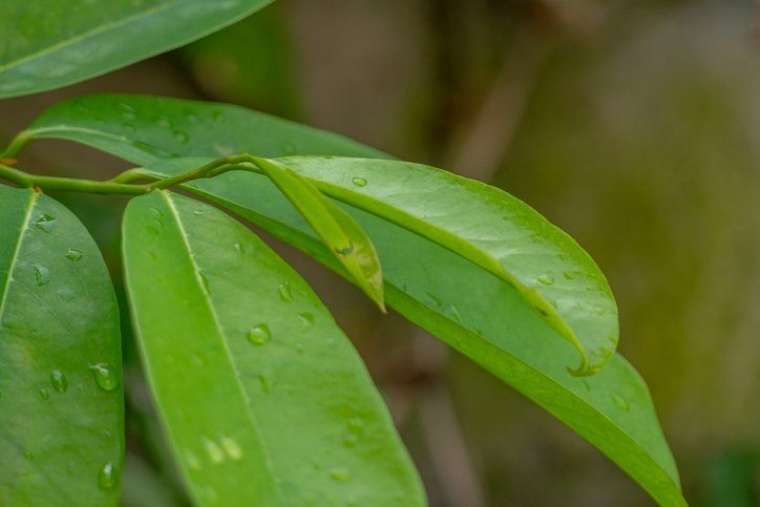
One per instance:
[(143, 129), (482, 223), (490, 322), (61, 408), (49, 43), (263, 398)]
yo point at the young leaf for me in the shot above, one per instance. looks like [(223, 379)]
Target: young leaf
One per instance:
[(263, 398), (489, 321), (61, 409), (49, 43), (340, 232)]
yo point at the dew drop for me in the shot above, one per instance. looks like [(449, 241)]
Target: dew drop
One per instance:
[(107, 477), (359, 182), (306, 318), (73, 254), (259, 335), (345, 250), (59, 381), (181, 136), (340, 474), (569, 275), (621, 402), (192, 461), (215, 454), (198, 212), (285, 293), (266, 385), (545, 279), (104, 376), (41, 275), (45, 223), (44, 393), (164, 123), (232, 448), (350, 440)]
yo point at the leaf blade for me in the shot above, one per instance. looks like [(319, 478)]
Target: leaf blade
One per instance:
[(87, 39), (434, 288), (233, 296), (62, 432)]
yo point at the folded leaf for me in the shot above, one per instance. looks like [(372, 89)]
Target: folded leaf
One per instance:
[(264, 400), (49, 43), (339, 231), (489, 321), (61, 408)]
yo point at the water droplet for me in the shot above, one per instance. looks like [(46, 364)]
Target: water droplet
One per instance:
[(45, 223), (359, 182), (266, 385), (215, 454), (107, 477), (192, 461), (345, 250), (340, 474), (455, 313), (232, 448), (41, 275), (128, 111), (545, 279), (569, 275), (198, 212), (355, 424), (621, 402), (164, 123), (239, 248), (259, 335), (44, 393), (181, 136), (306, 318), (104, 376), (285, 293), (59, 381), (155, 212), (73, 254)]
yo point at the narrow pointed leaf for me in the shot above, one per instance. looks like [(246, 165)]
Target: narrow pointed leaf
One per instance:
[(489, 321), (484, 224), (61, 409), (339, 231), (49, 43), (263, 398)]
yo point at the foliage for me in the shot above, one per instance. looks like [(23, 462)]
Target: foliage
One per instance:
[(262, 397)]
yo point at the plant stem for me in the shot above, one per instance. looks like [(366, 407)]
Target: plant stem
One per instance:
[(24, 179), (16, 144)]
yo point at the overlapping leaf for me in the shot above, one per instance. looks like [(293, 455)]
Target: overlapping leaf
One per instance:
[(61, 409), (50, 43), (470, 307), (263, 398)]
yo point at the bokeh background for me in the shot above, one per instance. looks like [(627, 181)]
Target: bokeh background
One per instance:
[(632, 124)]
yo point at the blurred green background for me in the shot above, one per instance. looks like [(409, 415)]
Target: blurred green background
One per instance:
[(633, 125)]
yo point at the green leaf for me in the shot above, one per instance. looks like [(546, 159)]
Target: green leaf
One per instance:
[(484, 224), (466, 306), (61, 408), (262, 396), (340, 232), (487, 320), (48, 43), (143, 129)]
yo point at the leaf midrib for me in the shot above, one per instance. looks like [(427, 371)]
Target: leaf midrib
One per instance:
[(220, 333), (14, 259)]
